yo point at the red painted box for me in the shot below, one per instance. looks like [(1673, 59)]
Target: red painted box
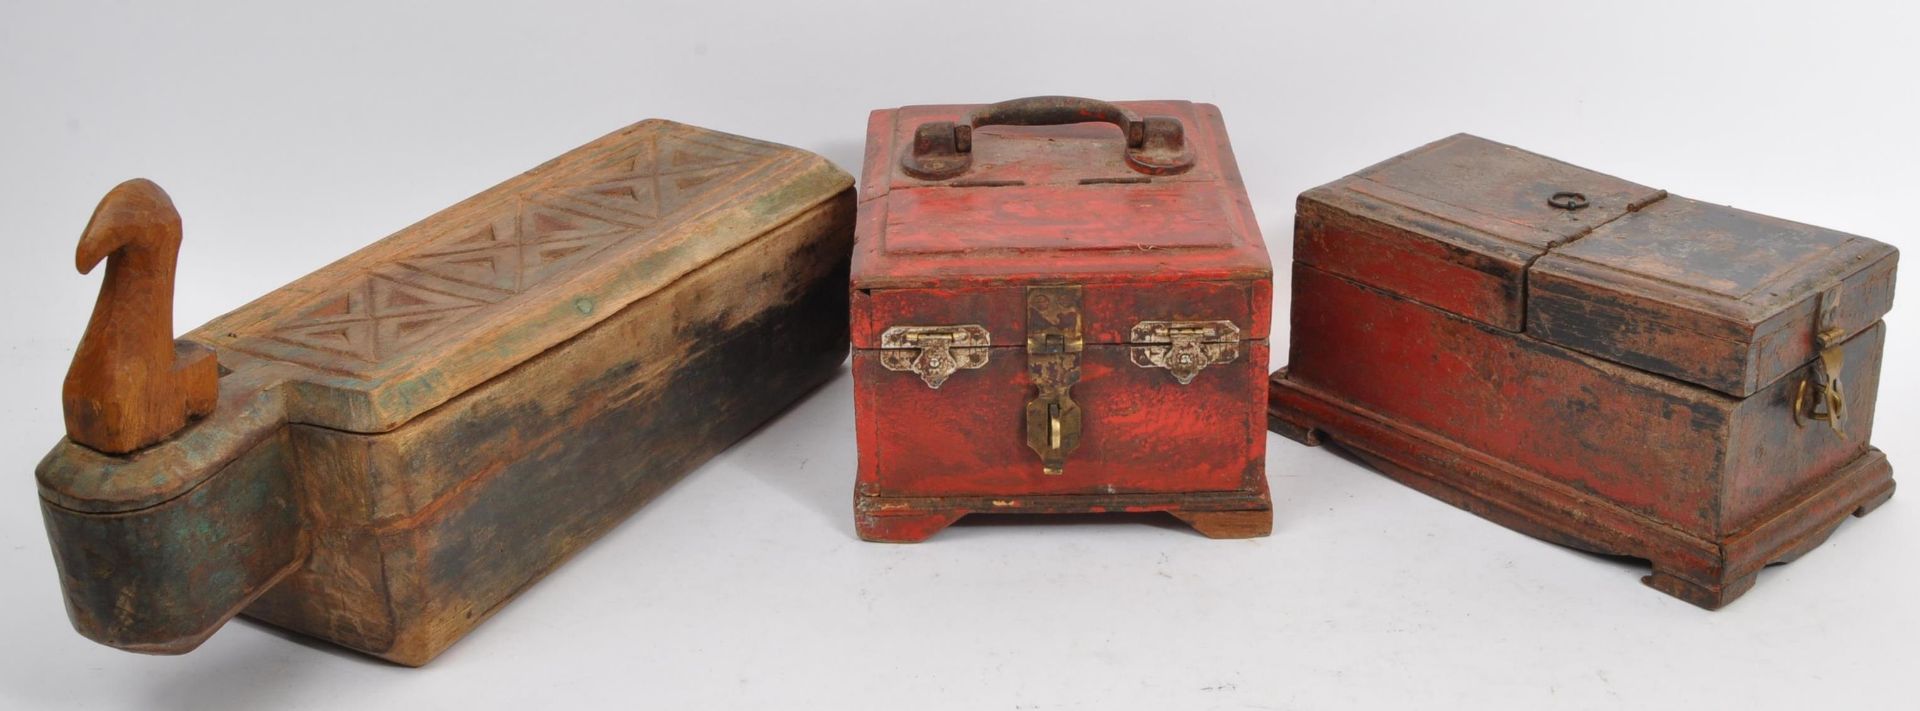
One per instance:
[(1591, 361), (1059, 305)]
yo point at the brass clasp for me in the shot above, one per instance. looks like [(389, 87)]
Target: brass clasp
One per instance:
[(934, 352), (1184, 348), (1821, 395), (1054, 342)]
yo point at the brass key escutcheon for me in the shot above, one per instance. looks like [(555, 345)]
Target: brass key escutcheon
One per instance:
[(1053, 364)]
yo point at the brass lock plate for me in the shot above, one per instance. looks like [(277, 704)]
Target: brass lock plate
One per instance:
[(1054, 343), (935, 352), (1822, 397), (1184, 348)]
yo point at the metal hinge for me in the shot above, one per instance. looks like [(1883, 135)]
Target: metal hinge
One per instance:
[(1184, 348), (1821, 395), (934, 352)]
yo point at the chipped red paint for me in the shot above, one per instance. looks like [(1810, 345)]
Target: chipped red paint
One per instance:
[(1619, 378), (1059, 205)]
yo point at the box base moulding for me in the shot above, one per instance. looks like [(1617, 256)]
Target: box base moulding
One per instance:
[(1218, 514), (1707, 573)]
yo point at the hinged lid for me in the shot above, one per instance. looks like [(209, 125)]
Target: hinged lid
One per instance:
[(1709, 294), (964, 208), (1719, 297), (1455, 223), (1052, 188), (440, 307)]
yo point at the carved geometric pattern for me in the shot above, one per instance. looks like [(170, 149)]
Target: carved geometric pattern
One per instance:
[(374, 315), (546, 232)]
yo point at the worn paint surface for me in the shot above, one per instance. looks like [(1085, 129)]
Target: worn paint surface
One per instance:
[(1523, 365), (161, 579), (1455, 224), (445, 416), (1707, 293), (1058, 205)]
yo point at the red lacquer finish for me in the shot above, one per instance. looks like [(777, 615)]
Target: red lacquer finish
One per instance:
[(1038, 207), (1590, 361)]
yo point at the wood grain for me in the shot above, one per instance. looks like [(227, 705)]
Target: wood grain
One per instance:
[(1619, 378), (131, 384), (411, 436)]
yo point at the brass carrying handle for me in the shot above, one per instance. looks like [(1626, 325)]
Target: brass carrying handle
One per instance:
[(1156, 145)]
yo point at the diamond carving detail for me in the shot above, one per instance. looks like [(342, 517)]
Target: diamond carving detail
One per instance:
[(537, 234)]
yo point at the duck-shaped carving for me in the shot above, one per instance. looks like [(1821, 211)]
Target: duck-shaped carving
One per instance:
[(131, 384)]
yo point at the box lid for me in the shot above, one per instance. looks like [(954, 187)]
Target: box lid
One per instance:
[(1709, 294), (413, 320), (1455, 223), (1719, 297), (1053, 189)]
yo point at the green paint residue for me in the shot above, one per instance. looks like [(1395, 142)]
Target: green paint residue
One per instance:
[(583, 305), (227, 581), (783, 198)]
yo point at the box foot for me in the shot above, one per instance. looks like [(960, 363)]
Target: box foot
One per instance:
[(908, 527), (1245, 513), (1707, 572), (1711, 597), (1874, 501), (1228, 524)]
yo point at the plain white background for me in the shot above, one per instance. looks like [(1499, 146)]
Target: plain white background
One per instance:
[(290, 134)]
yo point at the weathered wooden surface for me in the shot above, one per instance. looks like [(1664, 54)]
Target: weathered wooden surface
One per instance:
[(1554, 419), (1706, 293), (150, 581), (1458, 227), (450, 413), (130, 384), (1661, 449), (1705, 572), (460, 510), (1043, 205)]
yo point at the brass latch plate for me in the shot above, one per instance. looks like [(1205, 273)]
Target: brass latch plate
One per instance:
[(1184, 348), (1822, 397), (934, 352), (1054, 343)]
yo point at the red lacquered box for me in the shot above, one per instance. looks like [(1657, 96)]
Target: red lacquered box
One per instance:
[(1060, 305), (1592, 361)]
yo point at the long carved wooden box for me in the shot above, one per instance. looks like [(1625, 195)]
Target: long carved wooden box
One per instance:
[(409, 437), (1059, 305), (1591, 361)]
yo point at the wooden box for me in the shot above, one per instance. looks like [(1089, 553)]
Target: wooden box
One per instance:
[(1059, 305), (407, 438), (1591, 361)]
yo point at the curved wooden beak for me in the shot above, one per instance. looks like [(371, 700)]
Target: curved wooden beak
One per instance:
[(136, 210)]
